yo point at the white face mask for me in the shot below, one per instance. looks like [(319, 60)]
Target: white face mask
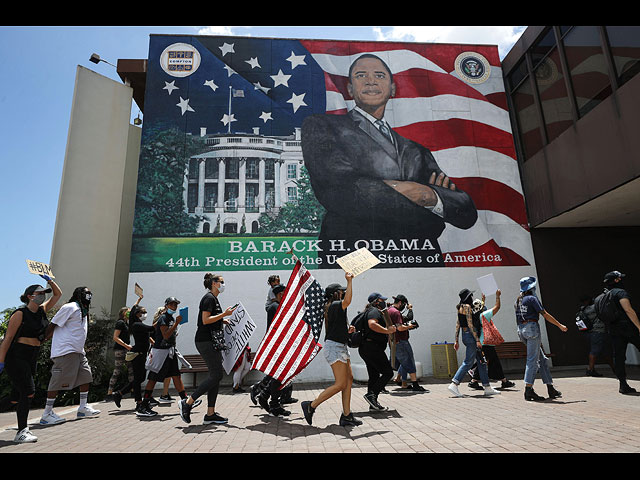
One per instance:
[(221, 288), (143, 317)]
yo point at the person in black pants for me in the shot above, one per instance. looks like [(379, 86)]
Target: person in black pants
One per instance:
[(208, 343), (27, 329), (372, 350), (141, 334)]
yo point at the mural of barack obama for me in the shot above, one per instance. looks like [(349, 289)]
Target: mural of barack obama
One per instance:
[(375, 184)]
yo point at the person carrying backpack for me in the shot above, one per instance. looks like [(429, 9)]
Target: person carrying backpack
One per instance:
[(599, 339), (613, 306)]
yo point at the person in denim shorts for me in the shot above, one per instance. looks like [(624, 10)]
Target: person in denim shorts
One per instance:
[(336, 352), (528, 310)]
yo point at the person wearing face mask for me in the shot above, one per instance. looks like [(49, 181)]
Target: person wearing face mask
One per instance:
[(70, 365), (209, 342), (528, 310), (19, 351), (141, 334), (162, 362), (372, 350), (404, 353)]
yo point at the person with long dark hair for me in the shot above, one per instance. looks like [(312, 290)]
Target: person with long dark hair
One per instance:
[(471, 339), (70, 365), (337, 299), (19, 351), (528, 310), (209, 343)]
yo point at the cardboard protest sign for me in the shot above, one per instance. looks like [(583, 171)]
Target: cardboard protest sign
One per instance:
[(236, 336), (39, 268), (138, 290), (358, 262)]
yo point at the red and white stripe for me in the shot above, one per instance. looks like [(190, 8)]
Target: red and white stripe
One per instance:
[(466, 127)]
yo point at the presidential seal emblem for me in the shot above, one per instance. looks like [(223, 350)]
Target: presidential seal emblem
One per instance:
[(180, 60), (472, 67)]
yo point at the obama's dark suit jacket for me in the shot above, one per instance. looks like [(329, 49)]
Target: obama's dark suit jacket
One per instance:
[(348, 158)]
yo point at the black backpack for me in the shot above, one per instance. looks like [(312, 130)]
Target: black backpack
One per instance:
[(360, 322), (606, 308), (585, 318)]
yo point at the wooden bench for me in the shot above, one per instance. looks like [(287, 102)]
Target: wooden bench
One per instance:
[(514, 350), (198, 366)]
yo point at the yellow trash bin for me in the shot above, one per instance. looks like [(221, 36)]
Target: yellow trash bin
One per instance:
[(444, 360)]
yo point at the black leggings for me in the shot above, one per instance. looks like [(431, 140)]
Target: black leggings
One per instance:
[(213, 359), (139, 373), (621, 337), (20, 365), (378, 365)]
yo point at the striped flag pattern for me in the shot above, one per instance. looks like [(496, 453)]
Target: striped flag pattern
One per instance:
[(465, 125), (292, 340)]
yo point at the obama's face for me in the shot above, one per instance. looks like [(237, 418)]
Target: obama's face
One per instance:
[(371, 85)]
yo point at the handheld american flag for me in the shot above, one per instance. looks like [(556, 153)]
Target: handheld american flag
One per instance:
[(291, 342)]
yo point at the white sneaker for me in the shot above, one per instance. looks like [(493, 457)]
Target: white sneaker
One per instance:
[(453, 388), (51, 419), (25, 436), (490, 391), (87, 411)]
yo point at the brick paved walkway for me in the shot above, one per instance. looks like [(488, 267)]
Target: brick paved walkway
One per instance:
[(590, 417)]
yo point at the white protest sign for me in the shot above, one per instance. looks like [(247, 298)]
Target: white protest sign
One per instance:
[(358, 262), (236, 336), (488, 284), (39, 268)]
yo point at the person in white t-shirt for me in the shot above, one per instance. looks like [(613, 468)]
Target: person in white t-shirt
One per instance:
[(70, 365)]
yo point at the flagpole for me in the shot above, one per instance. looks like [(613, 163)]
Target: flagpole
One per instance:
[(229, 128)]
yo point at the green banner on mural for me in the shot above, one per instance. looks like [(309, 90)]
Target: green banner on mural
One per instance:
[(186, 254)]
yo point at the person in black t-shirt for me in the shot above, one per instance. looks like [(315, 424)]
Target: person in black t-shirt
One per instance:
[(624, 326), (208, 343), (336, 351), (372, 350)]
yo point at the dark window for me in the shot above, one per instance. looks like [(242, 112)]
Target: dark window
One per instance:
[(588, 67), (625, 48), (528, 119), (552, 90)]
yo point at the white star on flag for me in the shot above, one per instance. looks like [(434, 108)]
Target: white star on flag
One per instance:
[(184, 106), (253, 62), (260, 87), (209, 83), (229, 70), (297, 101), (266, 116), (227, 119), (296, 60), (170, 86), (280, 79), (227, 48)]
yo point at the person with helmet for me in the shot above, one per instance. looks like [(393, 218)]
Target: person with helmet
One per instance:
[(528, 310), (471, 338)]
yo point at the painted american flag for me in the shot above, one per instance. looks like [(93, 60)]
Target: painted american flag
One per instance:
[(464, 124), (292, 340)]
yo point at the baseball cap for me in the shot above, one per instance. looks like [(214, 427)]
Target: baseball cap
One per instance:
[(33, 289), (333, 288), (400, 298), (171, 300), (613, 275), (374, 296)]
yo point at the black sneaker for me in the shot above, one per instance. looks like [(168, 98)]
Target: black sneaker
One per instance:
[(507, 384), (308, 411), (153, 402), (289, 400), (117, 398), (626, 389), (279, 412), (215, 418), (143, 411), (415, 387), (372, 400), (593, 373), (263, 400), (185, 410), (475, 385), (166, 398), (254, 391), (349, 420), (238, 390)]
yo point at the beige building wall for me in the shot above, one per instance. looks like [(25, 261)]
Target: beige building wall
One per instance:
[(92, 236)]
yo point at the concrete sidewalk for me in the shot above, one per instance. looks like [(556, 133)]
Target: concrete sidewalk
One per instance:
[(591, 416)]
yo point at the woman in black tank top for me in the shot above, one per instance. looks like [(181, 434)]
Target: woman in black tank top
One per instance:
[(27, 329)]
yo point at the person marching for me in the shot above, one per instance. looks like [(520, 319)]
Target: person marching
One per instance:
[(19, 351), (336, 351)]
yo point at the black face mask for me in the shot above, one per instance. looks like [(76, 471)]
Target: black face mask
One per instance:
[(86, 298)]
